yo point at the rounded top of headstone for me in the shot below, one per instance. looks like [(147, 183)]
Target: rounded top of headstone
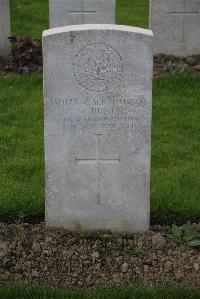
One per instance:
[(99, 27)]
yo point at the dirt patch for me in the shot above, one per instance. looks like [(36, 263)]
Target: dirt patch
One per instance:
[(33, 254), (27, 59), (176, 65)]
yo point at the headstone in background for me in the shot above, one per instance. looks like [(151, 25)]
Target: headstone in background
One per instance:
[(5, 47), (97, 90), (176, 26), (74, 12)]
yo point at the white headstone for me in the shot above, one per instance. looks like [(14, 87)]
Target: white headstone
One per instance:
[(75, 12), (5, 47), (97, 91), (176, 26)]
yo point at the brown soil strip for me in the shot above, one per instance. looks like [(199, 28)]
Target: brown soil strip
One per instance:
[(33, 254)]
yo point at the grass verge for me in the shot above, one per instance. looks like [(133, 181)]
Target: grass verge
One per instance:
[(127, 292), (21, 148)]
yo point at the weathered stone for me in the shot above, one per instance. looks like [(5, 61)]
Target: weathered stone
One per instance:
[(146, 268), (36, 247), (178, 275), (197, 67), (158, 240), (196, 267), (95, 255), (5, 47), (176, 26), (75, 12), (125, 267), (97, 90), (3, 248), (191, 60)]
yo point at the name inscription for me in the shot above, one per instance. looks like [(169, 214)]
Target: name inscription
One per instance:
[(98, 113)]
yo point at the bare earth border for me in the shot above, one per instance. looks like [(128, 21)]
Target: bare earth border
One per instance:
[(33, 254)]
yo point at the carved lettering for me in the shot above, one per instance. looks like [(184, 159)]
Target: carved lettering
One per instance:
[(98, 113)]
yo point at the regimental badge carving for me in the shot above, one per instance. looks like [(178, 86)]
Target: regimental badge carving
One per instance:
[(98, 68)]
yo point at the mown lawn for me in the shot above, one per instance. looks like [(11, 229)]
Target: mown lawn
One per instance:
[(30, 18), (175, 188), (127, 292), (175, 171), (21, 148)]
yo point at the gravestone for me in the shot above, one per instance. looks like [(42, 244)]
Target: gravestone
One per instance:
[(75, 12), (97, 94), (176, 26), (5, 47)]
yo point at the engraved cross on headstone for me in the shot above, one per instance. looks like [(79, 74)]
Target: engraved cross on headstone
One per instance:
[(97, 161), (82, 12), (183, 13)]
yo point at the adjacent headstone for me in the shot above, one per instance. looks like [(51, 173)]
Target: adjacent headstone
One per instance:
[(97, 90), (5, 47), (75, 12), (176, 26)]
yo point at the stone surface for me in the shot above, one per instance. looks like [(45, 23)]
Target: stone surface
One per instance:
[(176, 26), (196, 267), (158, 240), (97, 90), (5, 47), (75, 12)]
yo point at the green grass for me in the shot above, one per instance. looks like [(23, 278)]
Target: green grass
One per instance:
[(127, 292), (30, 17), (133, 13), (175, 188), (21, 147)]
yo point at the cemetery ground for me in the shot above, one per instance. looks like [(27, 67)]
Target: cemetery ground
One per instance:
[(28, 253)]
